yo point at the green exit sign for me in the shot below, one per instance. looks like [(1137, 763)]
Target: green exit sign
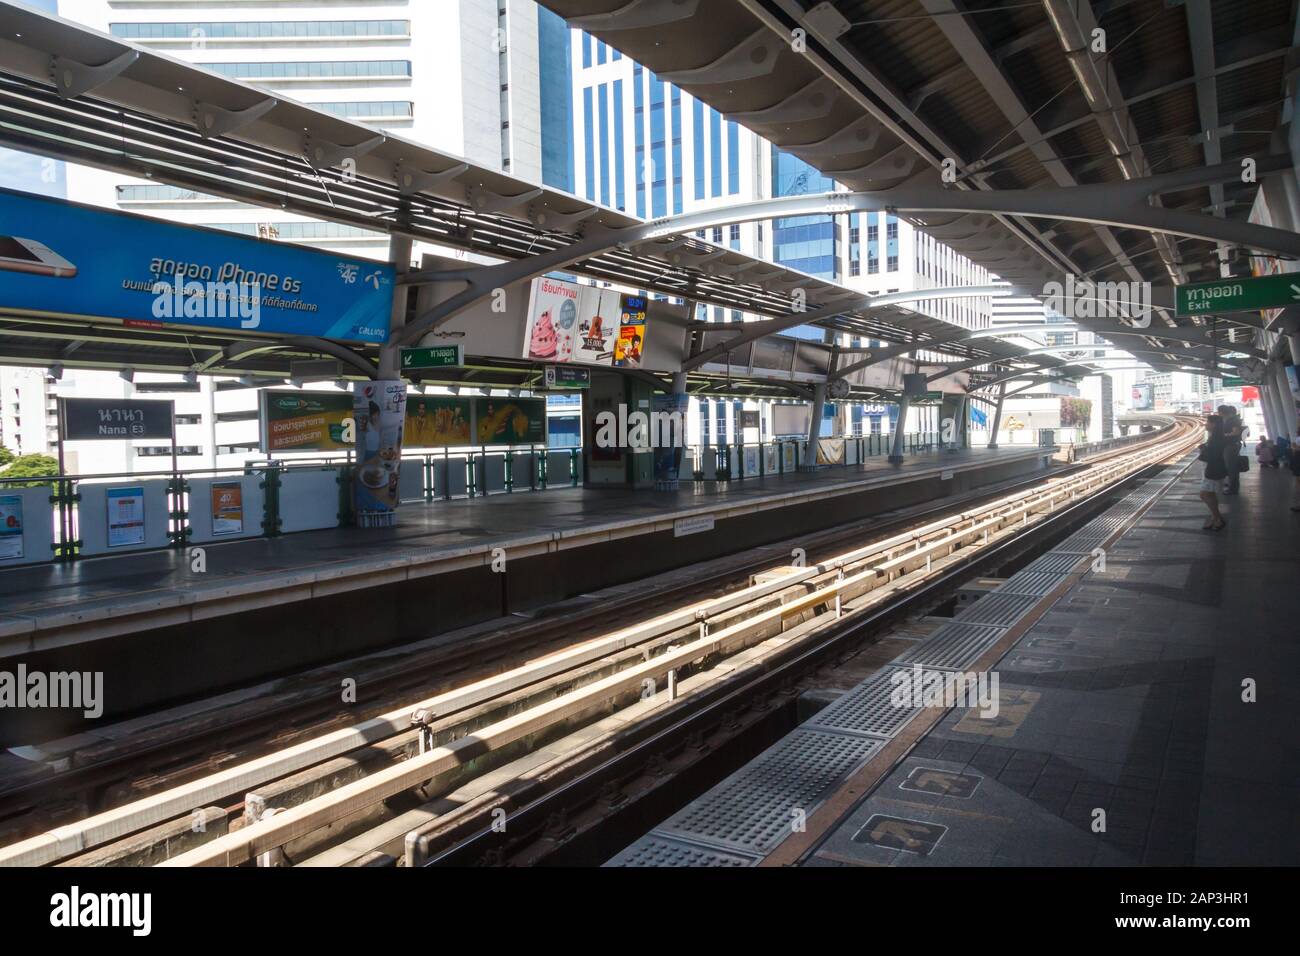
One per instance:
[(1238, 295), (437, 356)]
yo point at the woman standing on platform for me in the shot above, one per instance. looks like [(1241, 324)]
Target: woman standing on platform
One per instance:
[(1215, 471)]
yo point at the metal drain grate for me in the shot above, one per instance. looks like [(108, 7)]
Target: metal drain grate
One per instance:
[(653, 850), (954, 645), (998, 609), (1056, 562), (1030, 582), (752, 810), (866, 709)]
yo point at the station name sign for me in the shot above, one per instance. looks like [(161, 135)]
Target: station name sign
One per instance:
[(101, 419)]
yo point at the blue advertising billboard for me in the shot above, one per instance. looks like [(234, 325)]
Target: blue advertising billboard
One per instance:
[(64, 258)]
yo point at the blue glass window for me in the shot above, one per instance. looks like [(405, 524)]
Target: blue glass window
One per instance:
[(603, 99), (733, 159), (699, 149), (658, 150), (677, 151), (620, 192), (588, 123), (715, 152), (638, 96)]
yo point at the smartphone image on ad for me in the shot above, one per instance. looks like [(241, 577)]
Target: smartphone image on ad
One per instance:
[(28, 255)]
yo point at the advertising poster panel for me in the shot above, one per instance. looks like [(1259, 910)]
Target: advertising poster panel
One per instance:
[(670, 440), (510, 421), (380, 412), (125, 508), (830, 451), (304, 421), (630, 346), (11, 527), (63, 258), (227, 507), (1143, 400), (318, 421), (568, 322), (437, 422)]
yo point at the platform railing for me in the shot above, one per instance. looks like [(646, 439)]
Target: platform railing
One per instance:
[(741, 460), (69, 517)]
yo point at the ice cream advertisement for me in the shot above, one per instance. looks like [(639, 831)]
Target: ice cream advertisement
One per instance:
[(568, 322)]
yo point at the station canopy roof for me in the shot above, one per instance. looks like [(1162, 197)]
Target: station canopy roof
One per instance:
[(885, 90), (138, 117)]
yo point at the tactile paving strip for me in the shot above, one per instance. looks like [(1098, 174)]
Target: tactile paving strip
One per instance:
[(954, 645), (652, 850), (866, 709), (1055, 562), (1030, 582), (752, 810), (998, 609)]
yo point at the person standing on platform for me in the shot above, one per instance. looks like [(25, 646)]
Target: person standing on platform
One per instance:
[(1283, 445), (1295, 470), (1212, 453), (1266, 453), (1232, 431)]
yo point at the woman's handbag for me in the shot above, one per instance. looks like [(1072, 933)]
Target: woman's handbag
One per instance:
[(1243, 463), (1201, 454)]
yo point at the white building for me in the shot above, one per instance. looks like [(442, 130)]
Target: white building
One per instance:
[(480, 79), (463, 76)]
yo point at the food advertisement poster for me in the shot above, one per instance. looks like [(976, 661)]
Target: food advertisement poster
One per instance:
[(568, 322), (437, 422), (510, 421), (379, 409), (125, 516), (304, 421), (630, 347), (11, 527), (227, 507)]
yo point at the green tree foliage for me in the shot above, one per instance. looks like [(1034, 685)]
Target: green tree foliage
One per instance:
[(6, 457), (29, 466)]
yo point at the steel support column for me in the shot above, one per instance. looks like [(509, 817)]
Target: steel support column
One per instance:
[(896, 448), (815, 426), (997, 415)]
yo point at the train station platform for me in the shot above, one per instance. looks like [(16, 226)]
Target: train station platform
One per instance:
[(1145, 712), (316, 596)]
